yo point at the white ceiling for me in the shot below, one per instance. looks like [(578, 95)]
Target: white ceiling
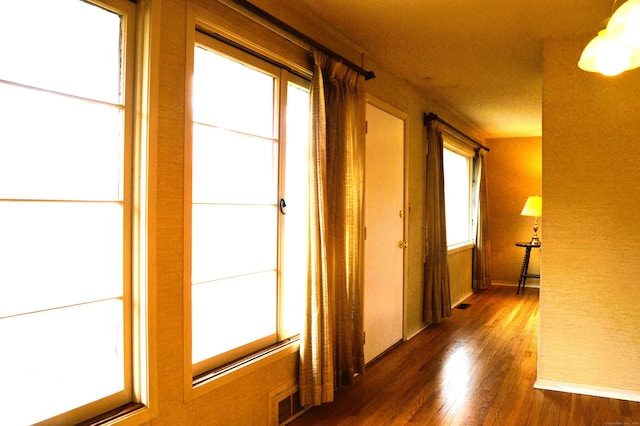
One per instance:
[(480, 58)]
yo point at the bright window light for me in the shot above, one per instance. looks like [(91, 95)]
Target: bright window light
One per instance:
[(248, 260), (63, 299), (457, 190)]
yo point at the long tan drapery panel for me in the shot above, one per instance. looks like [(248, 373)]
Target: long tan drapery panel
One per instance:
[(482, 249), (331, 348), (437, 293)]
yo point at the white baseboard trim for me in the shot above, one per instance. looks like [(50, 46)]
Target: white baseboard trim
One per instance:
[(591, 390)]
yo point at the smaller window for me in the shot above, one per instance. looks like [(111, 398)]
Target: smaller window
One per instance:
[(457, 190)]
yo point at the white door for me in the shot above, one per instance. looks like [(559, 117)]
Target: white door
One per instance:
[(384, 222)]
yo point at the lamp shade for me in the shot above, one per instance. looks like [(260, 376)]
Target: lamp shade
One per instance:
[(606, 55), (533, 207), (624, 24), (617, 47)]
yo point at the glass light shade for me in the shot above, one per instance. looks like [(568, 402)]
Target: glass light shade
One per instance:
[(606, 56), (533, 207), (624, 24)]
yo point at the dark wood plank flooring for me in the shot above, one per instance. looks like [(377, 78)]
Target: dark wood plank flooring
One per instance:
[(477, 367)]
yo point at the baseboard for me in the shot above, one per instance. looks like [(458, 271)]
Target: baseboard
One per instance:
[(505, 283), (515, 284), (415, 332), (584, 389), (462, 299)]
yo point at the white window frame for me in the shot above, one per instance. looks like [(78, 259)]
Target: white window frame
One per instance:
[(456, 146), (204, 21), (136, 403)]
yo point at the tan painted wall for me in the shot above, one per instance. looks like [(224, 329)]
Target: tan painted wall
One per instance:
[(408, 99), (514, 172), (589, 316), (403, 97), (245, 400), (460, 274)]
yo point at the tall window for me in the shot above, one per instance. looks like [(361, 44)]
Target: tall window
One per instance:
[(457, 190), (249, 204), (65, 159)]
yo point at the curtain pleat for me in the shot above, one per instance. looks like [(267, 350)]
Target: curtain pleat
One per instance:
[(481, 250), (437, 292), (331, 349), (316, 348)]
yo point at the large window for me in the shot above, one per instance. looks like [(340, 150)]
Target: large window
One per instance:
[(249, 204), (65, 210), (457, 190)]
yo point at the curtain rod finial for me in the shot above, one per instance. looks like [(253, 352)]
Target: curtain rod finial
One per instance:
[(430, 117)]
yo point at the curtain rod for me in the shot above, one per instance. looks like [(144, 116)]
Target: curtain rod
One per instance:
[(433, 116), (368, 75)]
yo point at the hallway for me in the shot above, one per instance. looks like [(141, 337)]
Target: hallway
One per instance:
[(477, 367)]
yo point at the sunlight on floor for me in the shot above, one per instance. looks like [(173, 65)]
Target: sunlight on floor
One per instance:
[(456, 375)]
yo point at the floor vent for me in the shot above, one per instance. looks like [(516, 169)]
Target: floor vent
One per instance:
[(285, 406), (463, 306)]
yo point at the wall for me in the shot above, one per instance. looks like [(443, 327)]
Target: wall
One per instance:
[(460, 270), (408, 99), (514, 172), (589, 316), (245, 399)]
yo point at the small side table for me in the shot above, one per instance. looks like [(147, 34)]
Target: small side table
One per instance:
[(524, 272)]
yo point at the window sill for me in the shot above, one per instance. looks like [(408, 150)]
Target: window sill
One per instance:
[(202, 386), (131, 415), (456, 248)]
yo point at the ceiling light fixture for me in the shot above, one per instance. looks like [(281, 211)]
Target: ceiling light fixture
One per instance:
[(617, 47)]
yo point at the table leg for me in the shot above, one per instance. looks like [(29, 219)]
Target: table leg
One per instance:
[(524, 270)]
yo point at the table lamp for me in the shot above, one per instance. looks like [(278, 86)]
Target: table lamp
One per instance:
[(533, 207)]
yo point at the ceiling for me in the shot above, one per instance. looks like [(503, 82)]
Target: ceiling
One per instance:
[(482, 59)]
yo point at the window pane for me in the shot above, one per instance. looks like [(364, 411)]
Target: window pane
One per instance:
[(232, 240), (75, 48), (231, 95), (241, 300), (233, 168), (83, 362), (63, 222), (55, 147), (296, 220), (457, 197), (233, 312), (58, 254)]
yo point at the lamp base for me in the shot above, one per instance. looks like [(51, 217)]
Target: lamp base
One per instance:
[(534, 239)]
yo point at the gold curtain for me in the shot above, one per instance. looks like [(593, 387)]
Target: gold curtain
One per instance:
[(481, 250), (437, 292), (331, 348)]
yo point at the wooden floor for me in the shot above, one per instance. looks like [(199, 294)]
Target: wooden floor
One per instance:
[(476, 368)]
